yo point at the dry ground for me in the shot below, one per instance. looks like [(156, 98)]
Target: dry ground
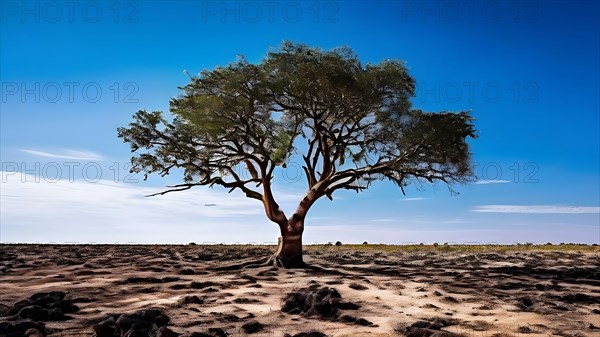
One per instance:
[(480, 291)]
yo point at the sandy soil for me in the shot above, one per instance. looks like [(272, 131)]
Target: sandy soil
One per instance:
[(487, 293)]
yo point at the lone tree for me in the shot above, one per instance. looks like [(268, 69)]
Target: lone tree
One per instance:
[(351, 124)]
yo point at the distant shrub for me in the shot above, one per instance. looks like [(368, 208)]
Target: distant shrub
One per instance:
[(338, 243), (435, 244), (365, 243), (192, 243), (548, 243)]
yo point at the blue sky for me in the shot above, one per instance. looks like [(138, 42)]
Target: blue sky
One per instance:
[(529, 71)]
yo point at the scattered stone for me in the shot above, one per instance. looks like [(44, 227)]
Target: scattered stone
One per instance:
[(43, 307), (324, 303), (427, 329), (192, 299), (186, 271), (218, 332), (357, 286), (450, 299), (21, 328), (354, 320), (524, 329), (143, 323), (307, 334), (201, 285), (253, 327), (244, 300), (437, 293), (541, 287), (166, 332), (526, 302)]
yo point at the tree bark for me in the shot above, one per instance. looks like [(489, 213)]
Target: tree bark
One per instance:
[(289, 251)]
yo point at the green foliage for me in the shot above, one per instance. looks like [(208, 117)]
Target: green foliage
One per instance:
[(356, 120)]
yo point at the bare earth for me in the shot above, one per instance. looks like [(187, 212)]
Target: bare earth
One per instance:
[(484, 292)]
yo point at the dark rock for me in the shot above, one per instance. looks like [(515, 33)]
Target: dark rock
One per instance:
[(166, 332), (540, 287), (193, 299), (253, 327), (428, 329), (423, 324), (148, 322), (186, 271), (199, 334), (136, 333), (106, 328), (354, 320), (230, 318), (341, 304), (363, 322), (34, 312), (524, 329), (357, 286), (218, 332), (17, 307), (437, 293), (526, 302), (47, 298), (126, 323), (307, 334), (578, 298), (201, 285), (324, 303), (34, 333), (20, 328), (242, 300), (450, 299), (136, 279)]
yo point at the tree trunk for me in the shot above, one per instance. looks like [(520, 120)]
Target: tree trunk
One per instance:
[(289, 251)]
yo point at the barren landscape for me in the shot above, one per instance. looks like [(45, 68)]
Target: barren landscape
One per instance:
[(359, 290)]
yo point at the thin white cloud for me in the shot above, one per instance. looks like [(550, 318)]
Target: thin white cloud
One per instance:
[(486, 182), (536, 209), (412, 199), (66, 154), (381, 220)]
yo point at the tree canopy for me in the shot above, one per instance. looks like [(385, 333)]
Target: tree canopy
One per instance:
[(349, 123)]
